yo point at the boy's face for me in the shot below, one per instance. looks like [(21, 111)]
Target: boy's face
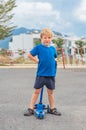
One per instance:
[(46, 40)]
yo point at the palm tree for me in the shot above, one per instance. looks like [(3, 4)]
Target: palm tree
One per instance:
[(80, 45)]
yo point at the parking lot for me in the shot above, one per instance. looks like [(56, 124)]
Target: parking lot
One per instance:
[(16, 88)]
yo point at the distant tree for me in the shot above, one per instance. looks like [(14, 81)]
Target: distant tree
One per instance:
[(37, 41), (3, 52), (6, 15), (80, 44), (59, 42)]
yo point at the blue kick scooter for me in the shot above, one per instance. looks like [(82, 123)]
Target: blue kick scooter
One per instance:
[(39, 112)]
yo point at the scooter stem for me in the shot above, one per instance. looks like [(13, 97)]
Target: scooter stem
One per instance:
[(41, 95)]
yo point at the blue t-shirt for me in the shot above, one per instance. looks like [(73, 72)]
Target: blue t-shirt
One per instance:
[(46, 55)]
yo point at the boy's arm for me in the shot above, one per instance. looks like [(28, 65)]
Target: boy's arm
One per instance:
[(33, 58)]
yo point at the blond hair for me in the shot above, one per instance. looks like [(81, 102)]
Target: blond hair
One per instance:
[(47, 32)]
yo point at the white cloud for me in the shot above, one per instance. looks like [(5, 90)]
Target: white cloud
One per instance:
[(80, 11), (39, 15), (34, 11)]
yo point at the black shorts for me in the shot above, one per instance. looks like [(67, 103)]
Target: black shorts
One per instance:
[(48, 81)]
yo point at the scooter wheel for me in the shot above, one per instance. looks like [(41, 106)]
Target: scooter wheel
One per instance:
[(48, 109)]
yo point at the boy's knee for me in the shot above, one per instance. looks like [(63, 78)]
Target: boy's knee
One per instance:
[(37, 92), (50, 92)]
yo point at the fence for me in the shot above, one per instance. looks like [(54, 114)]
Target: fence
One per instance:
[(72, 59), (21, 56)]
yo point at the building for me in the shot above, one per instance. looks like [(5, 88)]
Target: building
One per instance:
[(69, 45), (21, 42), (26, 42)]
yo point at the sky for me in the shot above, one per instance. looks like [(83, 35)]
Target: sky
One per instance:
[(64, 16)]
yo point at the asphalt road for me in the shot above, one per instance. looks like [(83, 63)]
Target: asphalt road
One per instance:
[(16, 88)]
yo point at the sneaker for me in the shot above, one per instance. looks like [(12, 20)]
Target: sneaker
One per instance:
[(29, 112), (54, 111)]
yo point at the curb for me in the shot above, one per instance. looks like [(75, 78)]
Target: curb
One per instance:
[(35, 66)]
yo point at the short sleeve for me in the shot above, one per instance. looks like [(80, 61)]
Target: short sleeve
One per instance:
[(34, 51)]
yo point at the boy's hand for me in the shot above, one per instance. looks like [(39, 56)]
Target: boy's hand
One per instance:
[(36, 60)]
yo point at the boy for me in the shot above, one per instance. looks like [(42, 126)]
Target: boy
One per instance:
[(46, 71)]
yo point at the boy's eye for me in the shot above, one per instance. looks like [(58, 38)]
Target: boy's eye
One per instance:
[(47, 37)]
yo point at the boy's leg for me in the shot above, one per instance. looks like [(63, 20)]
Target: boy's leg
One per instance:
[(51, 98), (30, 110), (53, 110), (34, 98)]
